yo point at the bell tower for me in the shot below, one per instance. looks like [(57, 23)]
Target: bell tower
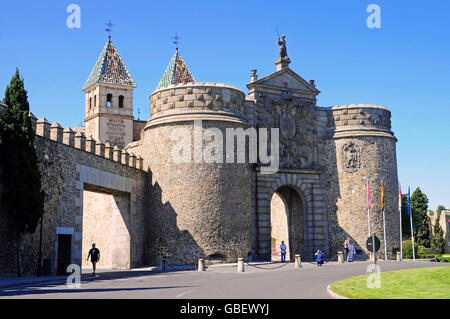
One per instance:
[(109, 100)]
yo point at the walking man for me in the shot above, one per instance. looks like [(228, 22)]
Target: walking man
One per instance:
[(283, 251), (94, 253)]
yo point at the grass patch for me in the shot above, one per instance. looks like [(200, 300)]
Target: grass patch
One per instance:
[(420, 283)]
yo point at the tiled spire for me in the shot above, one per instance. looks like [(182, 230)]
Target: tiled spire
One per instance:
[(109, 69), (177, 72)]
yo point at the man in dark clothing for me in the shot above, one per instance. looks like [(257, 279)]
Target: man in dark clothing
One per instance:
[(283, 251), (94, 253)]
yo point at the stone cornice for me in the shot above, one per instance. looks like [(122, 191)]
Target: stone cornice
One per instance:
[(280, 89), (295, 170), (117, 116), (189, 115)]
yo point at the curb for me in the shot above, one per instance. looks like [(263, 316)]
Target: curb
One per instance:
[(333, 294)]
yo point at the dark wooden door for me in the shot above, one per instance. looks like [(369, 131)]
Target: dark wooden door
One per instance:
[(64, 253)]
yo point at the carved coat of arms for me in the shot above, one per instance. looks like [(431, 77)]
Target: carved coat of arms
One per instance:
[(351, 157), (292, 117)]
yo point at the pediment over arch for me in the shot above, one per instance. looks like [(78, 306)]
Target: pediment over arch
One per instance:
[(285, 79)]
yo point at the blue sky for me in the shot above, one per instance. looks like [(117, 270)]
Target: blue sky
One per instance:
[(404, 65)]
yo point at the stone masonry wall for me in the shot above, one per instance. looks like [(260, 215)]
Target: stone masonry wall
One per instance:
[(198, 209), (361, 149), (68, 164)]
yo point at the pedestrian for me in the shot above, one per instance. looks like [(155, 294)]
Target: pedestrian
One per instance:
[(319, 257), (283, 251), (346, 248), (94, 253), (351, 250)]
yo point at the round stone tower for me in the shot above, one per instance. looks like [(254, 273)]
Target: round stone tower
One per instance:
[(199, 197), (361, 152)]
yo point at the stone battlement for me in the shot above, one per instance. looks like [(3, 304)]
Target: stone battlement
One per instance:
[(67, 136), (360, 119), (198, 98), (361, 114)]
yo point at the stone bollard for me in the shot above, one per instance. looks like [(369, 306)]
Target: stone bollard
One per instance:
[(399, 256), (340, 257), (298, 261), (163, 265), (201, 265), (240, 265)]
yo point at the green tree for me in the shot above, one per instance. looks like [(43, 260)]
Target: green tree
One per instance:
[(440, 208), (438, 241), (21, 198), (419, 208), (406, 225)]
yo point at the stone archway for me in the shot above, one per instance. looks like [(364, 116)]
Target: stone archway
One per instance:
[(287, 222)]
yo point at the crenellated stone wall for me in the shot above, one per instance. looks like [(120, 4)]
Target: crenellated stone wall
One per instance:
[(71, 163), (202, 94)]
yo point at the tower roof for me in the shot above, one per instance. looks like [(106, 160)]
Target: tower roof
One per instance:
[(177, 72), (109, 69)]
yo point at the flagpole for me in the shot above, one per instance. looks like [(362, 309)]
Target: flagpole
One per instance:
[(400, 213), (410, 218), (368, 215), (384, 221), (368, 206), (385, 245), (412, 238)]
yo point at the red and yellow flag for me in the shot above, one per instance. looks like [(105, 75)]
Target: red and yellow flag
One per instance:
[(382, 196)]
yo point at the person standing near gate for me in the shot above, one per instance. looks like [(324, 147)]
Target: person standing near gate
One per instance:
[(283, 251), (346, 248), (351, 250), (94, 253)]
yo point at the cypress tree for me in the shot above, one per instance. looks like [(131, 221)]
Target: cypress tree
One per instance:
[(438, 241), (419, 208), (21, 198)]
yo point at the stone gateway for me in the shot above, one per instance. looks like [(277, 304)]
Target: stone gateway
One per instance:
[(114, 181)]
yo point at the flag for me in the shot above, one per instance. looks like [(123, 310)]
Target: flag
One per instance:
[(368, 195), (382, 197), (409, 201)]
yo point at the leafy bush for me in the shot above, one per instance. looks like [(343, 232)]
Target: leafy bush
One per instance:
[(443, 259), (407, 249), (425, 251), (426, 256)]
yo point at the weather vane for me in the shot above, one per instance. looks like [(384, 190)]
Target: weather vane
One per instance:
[(109, 28), (176, 39)]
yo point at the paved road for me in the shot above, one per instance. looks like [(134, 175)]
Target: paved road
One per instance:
[(219, 282)]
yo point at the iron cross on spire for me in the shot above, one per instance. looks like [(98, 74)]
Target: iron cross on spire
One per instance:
[(109, 28), (176, 40)]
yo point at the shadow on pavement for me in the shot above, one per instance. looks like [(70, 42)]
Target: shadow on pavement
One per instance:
[(39, 291)]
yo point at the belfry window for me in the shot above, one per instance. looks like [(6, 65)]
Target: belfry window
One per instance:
[(109, 100), (90, 102), (95, 100), (121, 101)]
